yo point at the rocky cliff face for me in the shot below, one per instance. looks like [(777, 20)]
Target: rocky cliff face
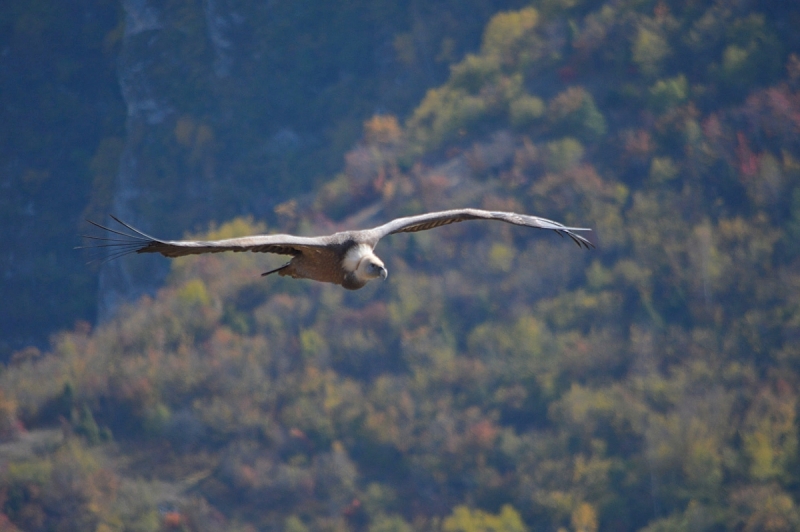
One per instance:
[(61, 113)]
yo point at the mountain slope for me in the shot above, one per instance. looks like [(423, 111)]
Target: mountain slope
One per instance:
[(500, 377)]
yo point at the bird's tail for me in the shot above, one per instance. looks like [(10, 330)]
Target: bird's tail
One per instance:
[(276, 270)]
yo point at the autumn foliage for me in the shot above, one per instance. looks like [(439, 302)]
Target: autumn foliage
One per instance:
[(500, 379)]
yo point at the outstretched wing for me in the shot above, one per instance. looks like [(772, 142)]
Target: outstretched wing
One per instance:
[(122, 243), (423, 222)]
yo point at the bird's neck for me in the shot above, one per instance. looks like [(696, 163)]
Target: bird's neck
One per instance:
[(354, 256)]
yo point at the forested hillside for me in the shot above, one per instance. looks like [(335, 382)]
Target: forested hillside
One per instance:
[(501, 379)]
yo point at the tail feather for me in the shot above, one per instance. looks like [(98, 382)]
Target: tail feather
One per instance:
[(276, 270)]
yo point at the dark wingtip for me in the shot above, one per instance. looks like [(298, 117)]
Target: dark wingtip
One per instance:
[(580, 241), (129, 243), (141, 234)]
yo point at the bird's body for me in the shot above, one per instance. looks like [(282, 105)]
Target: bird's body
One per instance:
[(336, 263), (346, 258)]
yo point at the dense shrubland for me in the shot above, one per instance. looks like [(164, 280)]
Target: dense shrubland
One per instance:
[(501, 379)]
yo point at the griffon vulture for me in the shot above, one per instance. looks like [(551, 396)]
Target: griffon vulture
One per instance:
[(345, 258)]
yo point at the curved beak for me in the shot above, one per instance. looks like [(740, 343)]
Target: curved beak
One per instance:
[(384, 274)]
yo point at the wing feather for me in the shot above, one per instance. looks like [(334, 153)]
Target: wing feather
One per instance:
[(423, 222), (140, 242)]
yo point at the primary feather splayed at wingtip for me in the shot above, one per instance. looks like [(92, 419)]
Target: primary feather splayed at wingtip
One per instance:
[(560, 229), (119, 246), (578, 239), (141, 235)]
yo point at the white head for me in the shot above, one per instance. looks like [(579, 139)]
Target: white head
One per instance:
[(364, 264)]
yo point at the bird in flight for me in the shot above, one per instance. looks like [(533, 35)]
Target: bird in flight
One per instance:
[(346, 258)]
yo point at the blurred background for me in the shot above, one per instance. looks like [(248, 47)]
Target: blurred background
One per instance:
[(501, 379)]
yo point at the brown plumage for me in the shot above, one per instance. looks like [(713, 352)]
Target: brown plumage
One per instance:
[(345, 258)]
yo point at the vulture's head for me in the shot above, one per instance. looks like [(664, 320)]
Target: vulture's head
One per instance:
[(371, 267), (364, 264)]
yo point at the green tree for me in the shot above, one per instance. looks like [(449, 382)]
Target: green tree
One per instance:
[(464, 519)]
